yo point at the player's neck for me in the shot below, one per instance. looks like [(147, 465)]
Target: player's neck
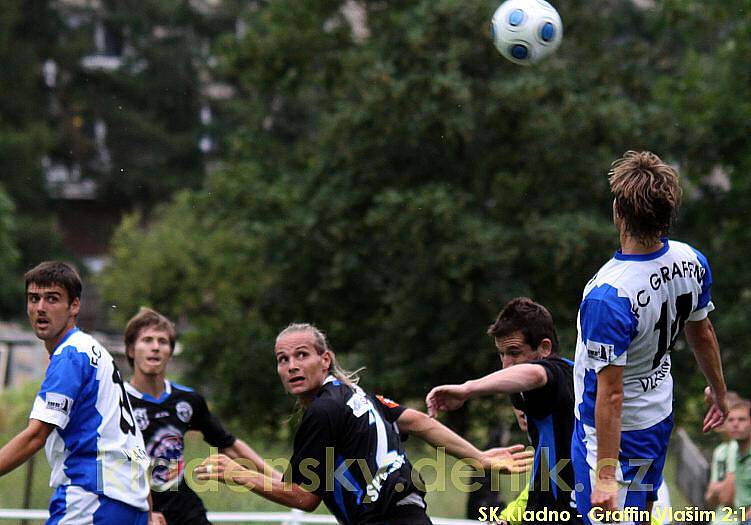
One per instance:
[(53, 343), (152, 385), (633, 246)]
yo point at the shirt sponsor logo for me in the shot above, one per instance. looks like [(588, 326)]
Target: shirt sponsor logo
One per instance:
[(58, 402), (184, 411), (600, 351)]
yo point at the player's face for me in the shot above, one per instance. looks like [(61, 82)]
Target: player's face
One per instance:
[(299, 365), (739, 424), (50, 313), (151, 351), (513, 349)]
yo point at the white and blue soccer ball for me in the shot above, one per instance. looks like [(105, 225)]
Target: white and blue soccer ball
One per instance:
[(526, 31)]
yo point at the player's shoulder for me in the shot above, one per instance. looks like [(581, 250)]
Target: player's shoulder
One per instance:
[(182, 388), (556, 362), (685, 250), (609, 294), (558, 368), (79, 342), (332, 397), (614, 274), (181, 393)]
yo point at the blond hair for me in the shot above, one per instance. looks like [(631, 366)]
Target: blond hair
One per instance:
[(321, 344)]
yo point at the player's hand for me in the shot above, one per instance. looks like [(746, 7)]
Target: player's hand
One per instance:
[(605, 494), (220, 468), (718, 410), (446, 398), (508, 460), (157, 518)]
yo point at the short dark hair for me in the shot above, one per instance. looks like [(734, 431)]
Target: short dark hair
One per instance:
[(50, 273), (647, 194), (532, 319), (147, 318)]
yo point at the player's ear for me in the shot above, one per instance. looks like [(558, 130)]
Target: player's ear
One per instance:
[(326, 361), (75, 306), (616, 213), (545, 347)]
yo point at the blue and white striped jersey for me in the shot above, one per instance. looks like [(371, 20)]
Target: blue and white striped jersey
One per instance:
[(631, 314), (96, 444)]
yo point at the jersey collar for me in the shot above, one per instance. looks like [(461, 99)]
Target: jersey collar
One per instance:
[(619, 255), (65, 337), (133, 391)]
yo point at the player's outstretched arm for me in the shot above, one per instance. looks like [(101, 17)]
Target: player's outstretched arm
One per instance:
[(222, 468), (518, 378), (505, 459), (241, 450), (27, 443), (703, 341)]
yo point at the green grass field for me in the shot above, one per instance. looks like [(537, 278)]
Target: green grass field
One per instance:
[(445, 499)]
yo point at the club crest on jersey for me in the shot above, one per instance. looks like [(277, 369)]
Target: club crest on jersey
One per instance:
[(184, 411), (600, 351), (58, 402), (142, 418)]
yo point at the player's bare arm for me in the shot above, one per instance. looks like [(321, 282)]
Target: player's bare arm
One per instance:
[(518, 378), (703, 341), (608, 404), (505, 459), (222, 468), (27, 443), (241, 450)]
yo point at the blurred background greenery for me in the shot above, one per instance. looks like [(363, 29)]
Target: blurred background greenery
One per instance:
[(372, 166)]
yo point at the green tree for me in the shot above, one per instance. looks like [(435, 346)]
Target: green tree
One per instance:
[(398, 189)]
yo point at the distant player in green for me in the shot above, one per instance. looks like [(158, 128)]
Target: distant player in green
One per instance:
[(739, 428), (720, 491)]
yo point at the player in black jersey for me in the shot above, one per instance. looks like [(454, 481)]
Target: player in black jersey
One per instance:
[(348, 450), (164, 412), (541, 385)]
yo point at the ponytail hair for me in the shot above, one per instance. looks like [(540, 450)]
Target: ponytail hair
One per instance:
[(322, 346)]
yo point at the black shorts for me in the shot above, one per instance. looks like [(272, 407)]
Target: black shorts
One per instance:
[(180, 507), (408, 515)]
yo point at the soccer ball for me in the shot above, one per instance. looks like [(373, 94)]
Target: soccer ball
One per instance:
[(526, 31)]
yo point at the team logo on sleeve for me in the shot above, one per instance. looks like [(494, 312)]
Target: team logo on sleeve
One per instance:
[(387, 402), (359, 404), (142, 418), (184, 411), (58, 402), (600, 351)]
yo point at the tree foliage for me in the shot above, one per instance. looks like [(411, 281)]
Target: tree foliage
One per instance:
[(398, 189)]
